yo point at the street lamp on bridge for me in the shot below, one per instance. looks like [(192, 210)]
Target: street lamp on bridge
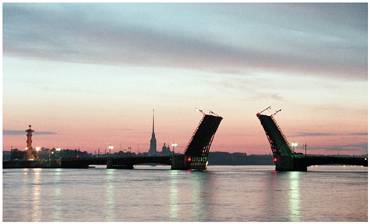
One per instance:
[(110, 148), (174, 145), (294, 145)]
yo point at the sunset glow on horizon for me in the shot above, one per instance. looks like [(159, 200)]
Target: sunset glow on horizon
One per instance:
[(87, 81)]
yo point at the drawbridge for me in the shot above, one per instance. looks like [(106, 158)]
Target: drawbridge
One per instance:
[(196, 153), (195, 156), (285, 159)]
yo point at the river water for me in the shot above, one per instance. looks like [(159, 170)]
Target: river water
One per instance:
[(222, 193)]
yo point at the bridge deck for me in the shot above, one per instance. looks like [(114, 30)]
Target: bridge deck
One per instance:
[(127, 162), (335, 160)]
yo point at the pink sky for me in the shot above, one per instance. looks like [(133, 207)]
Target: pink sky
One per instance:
[(87, 82)]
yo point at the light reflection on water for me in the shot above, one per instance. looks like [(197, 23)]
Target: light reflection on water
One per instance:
[(57, 195), (199, 182), (173, 195), (109, 194), (223, 193), (294, 196), (36, 188)]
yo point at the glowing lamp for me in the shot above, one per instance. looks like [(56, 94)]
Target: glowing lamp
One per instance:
[(294, 144), (189, 159), (274, 159)]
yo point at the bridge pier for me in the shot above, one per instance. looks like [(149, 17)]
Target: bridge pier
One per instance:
[(117, 164), (290, 164), (178, 163)]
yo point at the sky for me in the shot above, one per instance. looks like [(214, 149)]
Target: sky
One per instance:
[(88, 75)]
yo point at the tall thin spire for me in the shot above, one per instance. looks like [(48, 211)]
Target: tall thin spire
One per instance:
[(153, 141), (153, 124)]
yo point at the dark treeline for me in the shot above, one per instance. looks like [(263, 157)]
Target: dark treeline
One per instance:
[(238, 158)]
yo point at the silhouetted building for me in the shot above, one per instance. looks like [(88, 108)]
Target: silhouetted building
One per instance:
[(7, 155), (153, 141), (46, 154), (70, 154), (166, 149), (16, 154)]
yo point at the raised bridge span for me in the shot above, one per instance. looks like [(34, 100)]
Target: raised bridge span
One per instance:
[(286, 160)]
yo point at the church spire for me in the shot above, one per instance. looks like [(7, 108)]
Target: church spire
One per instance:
[(153, 134), (153, 141)]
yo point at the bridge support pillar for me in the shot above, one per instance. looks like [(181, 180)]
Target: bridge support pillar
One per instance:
[(112, 164), (290, 164), (178, 163)]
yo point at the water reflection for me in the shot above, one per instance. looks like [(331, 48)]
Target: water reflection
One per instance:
[(36, 190), (294, 196), (272, 186), (57, 195), (173, 194), (237, 194), (109, 195), (283, 196), (25, 171), (189, 195), (199, 190), (25, 192)]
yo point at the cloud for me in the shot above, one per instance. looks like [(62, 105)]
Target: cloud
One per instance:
[(319, 134), (277, 97), (22, 132), (259, 95), (359, 133), (256, 90), (345, 147), (74, 34)]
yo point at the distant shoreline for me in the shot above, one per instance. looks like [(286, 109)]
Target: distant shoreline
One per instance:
[(215, 158)]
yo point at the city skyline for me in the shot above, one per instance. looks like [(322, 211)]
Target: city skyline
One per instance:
[(87, 82)]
